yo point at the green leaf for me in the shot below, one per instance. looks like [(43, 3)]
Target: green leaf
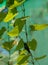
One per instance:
[(14, 10), (33, 44), (25, 63), (1, 1), (15, 3), (2, 15), (37, 27), (39, 58), (9, 3), (22, 59), (14, 32), (47, 6), (20, 22), (20, 45), (1, 56), (2, 31), (17, 47), (19, 0), (23, 52), (8, 45)]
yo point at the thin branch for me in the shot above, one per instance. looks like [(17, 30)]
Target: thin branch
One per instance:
[(8, 40), (26, 46), (25, 24)]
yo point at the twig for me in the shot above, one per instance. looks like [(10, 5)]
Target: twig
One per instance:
[(26, 47)]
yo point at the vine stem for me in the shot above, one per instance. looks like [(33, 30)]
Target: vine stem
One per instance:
[(25, 24), (9, 58), (27, 34), (9, 50)]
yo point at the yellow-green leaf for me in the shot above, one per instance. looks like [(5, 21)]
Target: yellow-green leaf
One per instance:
[(14, 32), (37, 27), (16, 3), (10, 16), (23, 52), (25, 17), (39, 58), (25, 63), (22, 59), (33, 44)]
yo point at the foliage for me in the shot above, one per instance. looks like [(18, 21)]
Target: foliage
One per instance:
[(37, 27), (20, 45), (38, 58), (9, 16), (1, 1), (14, 32), (2, 15), (20, 22), (33, 44), (8, 45), (2, 31)]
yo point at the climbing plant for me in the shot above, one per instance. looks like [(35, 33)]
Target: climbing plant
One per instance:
[(9, 15)]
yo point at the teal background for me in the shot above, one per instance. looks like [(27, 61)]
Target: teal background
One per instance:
[(4, 3), (33, 8)]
